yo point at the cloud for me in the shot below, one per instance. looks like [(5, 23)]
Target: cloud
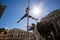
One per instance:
[(6, 27)]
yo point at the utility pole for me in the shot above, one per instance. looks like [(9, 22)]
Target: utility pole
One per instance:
[(27, 11)]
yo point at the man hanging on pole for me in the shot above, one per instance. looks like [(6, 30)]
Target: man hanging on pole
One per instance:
[(35, 31), (27, 10)]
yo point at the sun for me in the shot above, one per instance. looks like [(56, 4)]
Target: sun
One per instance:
[(36, 10)]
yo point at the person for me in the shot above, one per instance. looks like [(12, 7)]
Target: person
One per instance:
[(36, 33), (26, 15)]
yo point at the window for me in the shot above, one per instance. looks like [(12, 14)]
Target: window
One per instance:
[(12, 35), (58, 23)]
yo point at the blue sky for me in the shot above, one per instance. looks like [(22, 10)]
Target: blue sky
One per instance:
[(16, 9)]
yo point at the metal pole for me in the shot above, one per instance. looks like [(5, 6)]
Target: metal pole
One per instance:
[(28, 3), (27, 28), (28, 20)]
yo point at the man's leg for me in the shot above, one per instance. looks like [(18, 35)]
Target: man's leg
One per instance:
[(22, 18), (32, 17)]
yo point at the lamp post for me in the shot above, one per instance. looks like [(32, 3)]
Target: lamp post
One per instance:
[(27, 11)]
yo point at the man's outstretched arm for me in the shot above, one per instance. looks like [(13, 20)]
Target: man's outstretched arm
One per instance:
[(22, 18)]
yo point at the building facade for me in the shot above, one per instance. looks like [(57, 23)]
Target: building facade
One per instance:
[(54, 18), (17, 34)]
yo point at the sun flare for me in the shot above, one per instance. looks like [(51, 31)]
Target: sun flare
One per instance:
[(36, 10)]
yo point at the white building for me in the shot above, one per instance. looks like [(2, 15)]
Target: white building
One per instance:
[(16, 34)]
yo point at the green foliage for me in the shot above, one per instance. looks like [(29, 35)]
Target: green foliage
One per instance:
[(2, 30)]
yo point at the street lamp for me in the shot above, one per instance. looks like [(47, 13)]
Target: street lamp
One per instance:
[(2, 8)]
